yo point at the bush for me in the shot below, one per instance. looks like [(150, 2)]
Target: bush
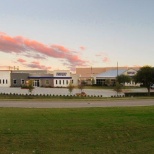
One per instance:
[(129, 94)]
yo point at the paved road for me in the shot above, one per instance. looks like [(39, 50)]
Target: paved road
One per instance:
[(76, 104)]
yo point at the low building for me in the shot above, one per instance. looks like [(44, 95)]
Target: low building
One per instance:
[(19, 79), (41, 80), (61, 78), (5, 78), (100, 79), (98, 75)]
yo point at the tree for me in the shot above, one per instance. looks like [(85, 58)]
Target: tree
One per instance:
[(145, 76), (30, 86), (108, 82), (70, 88), (81, 86), (118, 87), (123, 78)]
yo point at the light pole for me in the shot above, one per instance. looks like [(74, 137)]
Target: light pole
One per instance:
[(117, 69)]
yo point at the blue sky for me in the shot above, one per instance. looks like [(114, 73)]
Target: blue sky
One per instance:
[(65, 34)]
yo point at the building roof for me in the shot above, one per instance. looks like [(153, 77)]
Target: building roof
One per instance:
[(41, 75), (30, 71), (111, 73), (87, 72)]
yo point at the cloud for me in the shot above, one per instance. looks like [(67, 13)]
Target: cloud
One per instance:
[(21, 60), (21, 45), (98, 55), (60, 48), (33, 64), (34, 55), (37, 65), (104, 57), (83, 48)]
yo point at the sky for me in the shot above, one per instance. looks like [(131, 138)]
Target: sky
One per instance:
[(66, 34)]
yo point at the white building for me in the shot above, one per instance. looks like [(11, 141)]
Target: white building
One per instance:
[(61, 78), (5, 78), (75, 79)]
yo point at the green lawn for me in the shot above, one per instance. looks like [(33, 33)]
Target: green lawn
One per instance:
[(86, 130)]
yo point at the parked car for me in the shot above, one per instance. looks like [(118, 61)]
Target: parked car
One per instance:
[(152, 86)]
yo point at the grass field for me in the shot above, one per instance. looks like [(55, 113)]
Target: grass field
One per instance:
[(85, 131)]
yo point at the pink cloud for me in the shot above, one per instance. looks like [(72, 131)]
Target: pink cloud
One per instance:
[(60, 48), (35, 55), (21, 60), (23, 45), (34, 64), (106, 59), (98, 55), (83, 48), (37, 65)]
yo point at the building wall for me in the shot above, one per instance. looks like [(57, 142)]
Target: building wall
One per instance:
[(75, 79), (42, 80), (18, 79), (88, 72), (5, 78), (62, 78), (46, 82), (31, 71), (100, 80), (130, 72)]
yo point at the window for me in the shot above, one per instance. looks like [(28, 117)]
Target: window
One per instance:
[(14, 81), (47, 82), (59, 81), (56, 81), (100, 82), (6, 81), (3, 81), (63, 82), (66, 81), (22, 81), (0, 81)]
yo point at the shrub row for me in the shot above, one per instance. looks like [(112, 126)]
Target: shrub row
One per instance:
[(137, 94), (118, 96), (16, 95)]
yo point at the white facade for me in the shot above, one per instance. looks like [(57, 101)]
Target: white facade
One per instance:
[(130, 72), (75, 79), (61, 78), (5, 78)]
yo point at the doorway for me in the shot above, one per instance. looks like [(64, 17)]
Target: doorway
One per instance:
[(36, 83)]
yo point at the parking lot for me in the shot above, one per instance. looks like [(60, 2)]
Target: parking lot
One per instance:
[(64, 91)]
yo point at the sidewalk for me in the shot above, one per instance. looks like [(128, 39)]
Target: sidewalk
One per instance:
[(59, 91)]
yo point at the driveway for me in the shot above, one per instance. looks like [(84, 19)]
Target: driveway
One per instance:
[(64, 91)]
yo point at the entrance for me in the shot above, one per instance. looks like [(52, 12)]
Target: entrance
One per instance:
[(36, 83)]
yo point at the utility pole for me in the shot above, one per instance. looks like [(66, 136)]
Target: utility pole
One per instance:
[(117, 69)]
